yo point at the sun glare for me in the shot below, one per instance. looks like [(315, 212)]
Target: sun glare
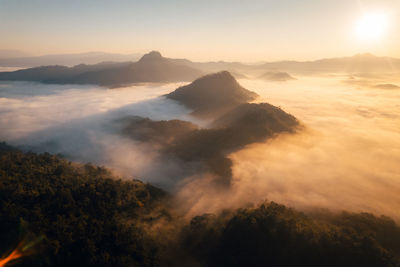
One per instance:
[(372, 26)]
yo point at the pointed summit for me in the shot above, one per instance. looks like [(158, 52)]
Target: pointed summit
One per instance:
[(219, 77), (151, 56), (211, 94)]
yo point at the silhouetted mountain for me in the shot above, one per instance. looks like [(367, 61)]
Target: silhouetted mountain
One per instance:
[(58, 74), (255, 117), (151, 67), (236, 123), (153, 56), (276, 76), (9, 59), (212, 94), (246, 124)]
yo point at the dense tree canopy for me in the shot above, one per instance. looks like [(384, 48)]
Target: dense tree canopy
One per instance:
[(274, 235), (85, 216)]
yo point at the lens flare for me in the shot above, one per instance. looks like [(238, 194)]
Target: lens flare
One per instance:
[(24, 248), (15, 254)]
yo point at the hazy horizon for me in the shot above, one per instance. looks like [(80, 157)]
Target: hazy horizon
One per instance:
[(202, 31), (136, 56)]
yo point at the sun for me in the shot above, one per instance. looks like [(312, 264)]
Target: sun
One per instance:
[(372, 26)]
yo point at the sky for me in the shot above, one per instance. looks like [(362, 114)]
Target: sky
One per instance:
[(235, 30)]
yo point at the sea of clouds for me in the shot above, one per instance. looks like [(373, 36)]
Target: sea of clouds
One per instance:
[(346, 157)]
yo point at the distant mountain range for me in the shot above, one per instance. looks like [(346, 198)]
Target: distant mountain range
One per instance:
[(153, 67), (360, 63), (10, 58)]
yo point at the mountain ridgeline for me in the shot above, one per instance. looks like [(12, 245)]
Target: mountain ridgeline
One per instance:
[(152, 67), (23, 61), (235, 123)]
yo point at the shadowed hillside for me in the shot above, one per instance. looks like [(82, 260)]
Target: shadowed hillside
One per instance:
[(161, 132), (246, 124), (152, 67), (212, 94), (235, 124)]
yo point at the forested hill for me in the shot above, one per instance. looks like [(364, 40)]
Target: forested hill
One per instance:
[(67, 214), (87, 216)]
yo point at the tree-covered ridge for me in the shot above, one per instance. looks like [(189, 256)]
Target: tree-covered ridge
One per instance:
[(274, 235), (88, 217)]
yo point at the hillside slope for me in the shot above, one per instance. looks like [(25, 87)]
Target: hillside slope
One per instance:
[(212, 94)]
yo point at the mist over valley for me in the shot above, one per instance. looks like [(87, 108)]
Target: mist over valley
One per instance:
[(200, 133)]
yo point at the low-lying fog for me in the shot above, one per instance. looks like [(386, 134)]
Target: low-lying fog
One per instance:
[(347, 157), (81, 123)]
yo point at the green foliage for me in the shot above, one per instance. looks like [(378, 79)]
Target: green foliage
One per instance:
[(87, 216), (80, 215), (274, 235)]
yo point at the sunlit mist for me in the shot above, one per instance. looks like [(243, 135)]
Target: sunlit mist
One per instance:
[(372, 26), (200, 133)]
